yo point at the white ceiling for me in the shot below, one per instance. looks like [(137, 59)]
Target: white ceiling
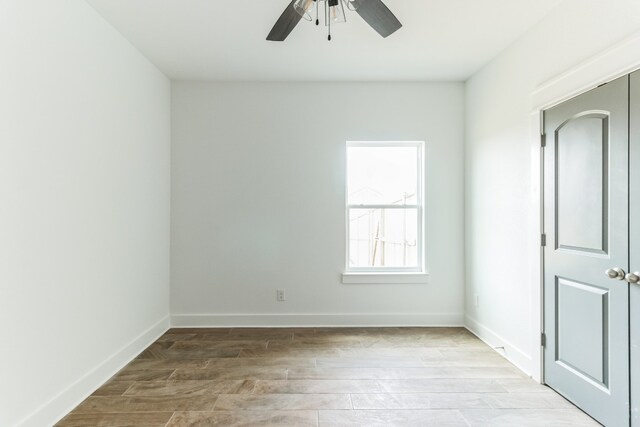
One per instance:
[(224, 40)]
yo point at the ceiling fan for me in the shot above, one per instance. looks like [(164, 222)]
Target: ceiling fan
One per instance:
[(374, 12)]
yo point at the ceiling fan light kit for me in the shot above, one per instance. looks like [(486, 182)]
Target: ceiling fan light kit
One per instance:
[(374, 12), (303, 6)]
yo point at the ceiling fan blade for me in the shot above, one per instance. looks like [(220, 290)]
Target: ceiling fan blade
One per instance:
[(285, 24), (376, 14)]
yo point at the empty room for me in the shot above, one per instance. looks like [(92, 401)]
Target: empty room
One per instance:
[(320, 213)]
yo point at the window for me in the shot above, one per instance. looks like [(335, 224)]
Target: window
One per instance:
[(384, 207)]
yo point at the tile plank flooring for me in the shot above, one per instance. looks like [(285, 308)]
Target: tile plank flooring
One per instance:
[(322, 377)]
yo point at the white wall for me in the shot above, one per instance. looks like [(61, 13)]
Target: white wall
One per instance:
[(258, 177), (84, 205), (501, 185)]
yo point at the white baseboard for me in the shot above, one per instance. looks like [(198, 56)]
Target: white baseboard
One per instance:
[(317, 320), (509, 351), (52, 411)]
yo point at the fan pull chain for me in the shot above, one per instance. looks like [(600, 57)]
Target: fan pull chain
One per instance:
[(317, 12), (328, 19)]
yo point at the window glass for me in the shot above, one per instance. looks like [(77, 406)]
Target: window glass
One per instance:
[(382, 175), (384, 211), (383, 237)]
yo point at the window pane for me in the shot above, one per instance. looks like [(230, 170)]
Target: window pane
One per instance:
[(383, 237), (382, 175)]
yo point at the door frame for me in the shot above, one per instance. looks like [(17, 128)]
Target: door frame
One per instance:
[(618, 60)]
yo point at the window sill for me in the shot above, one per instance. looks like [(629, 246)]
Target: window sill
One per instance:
[(384, 278)]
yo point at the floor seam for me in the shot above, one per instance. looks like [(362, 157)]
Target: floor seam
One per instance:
[(170, 418)]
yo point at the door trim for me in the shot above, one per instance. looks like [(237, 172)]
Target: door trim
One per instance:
[(634, 249), (618, 60)]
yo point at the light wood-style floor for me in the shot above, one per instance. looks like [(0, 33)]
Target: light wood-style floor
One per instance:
[(322, 377)]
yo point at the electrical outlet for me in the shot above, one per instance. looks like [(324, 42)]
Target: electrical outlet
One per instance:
[(280, 295), (477, 301)]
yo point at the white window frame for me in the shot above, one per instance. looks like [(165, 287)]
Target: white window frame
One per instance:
[(416, 274)]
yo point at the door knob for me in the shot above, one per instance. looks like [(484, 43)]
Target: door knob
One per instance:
[(615, 273), (633, 278)]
